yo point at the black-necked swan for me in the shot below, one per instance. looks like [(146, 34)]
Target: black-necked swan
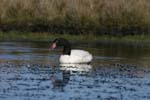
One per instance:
[(71, 56)]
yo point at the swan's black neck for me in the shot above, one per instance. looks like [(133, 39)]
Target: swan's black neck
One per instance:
[(67, 49), (66, 45)]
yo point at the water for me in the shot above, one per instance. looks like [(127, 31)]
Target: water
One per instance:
[(29, 71)]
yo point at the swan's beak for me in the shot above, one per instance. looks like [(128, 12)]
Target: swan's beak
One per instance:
[(52, 46)]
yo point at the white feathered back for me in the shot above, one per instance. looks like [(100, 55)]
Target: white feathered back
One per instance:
[(76, 56)]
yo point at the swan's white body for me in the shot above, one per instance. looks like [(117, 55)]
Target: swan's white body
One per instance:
[(76, 56), (71, 56)]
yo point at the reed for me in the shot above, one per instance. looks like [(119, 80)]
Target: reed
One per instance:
[(76, 16)]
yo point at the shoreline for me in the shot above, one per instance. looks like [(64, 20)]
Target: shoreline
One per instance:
[(46, 37)]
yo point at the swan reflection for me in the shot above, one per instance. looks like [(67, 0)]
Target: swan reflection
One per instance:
[(76, 67), (60, 79), (62, 76)]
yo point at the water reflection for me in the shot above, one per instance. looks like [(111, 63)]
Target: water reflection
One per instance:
[(76, 67), (102, 51), (61, 77)]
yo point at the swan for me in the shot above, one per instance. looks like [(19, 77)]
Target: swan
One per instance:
[(71, 56)]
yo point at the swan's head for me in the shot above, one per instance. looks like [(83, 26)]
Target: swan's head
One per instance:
[(53, 45), (59, 42)]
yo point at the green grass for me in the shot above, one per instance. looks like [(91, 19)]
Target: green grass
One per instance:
[(45, 37)]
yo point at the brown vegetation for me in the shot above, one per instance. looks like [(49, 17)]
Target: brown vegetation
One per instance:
[(76, 16)]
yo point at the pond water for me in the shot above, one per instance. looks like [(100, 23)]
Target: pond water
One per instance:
[(119, 71)]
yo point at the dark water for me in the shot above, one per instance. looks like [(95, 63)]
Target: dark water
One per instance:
[(29, 71)]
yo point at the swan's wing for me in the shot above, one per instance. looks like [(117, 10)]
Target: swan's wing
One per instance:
[(84, 56), (80, 53), (77, 56)]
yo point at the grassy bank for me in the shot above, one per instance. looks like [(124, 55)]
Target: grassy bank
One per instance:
[(76, 16), (46, 37)]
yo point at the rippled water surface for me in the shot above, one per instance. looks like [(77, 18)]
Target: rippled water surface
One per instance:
[(29, 71)]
